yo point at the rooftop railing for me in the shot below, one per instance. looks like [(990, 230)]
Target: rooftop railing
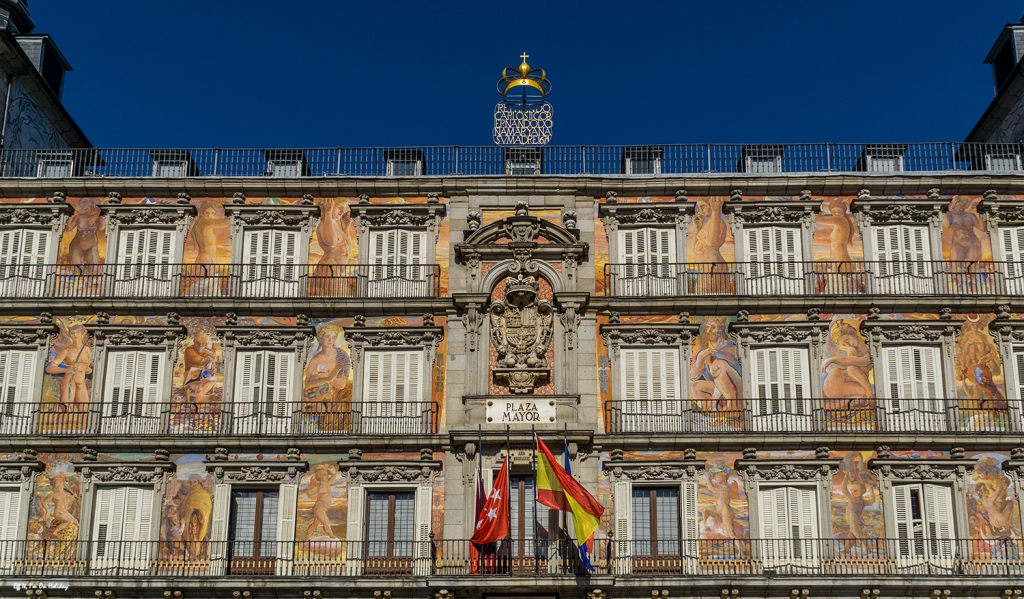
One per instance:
[(319, 415), (891, 277), (900, 557), (784, 416), (642, 160), (219, 280)]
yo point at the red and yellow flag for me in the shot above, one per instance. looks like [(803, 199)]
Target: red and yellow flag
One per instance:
[(557, 489)]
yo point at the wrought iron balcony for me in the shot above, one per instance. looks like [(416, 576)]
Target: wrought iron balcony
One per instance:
[(215, 419), (895, 277), (648, 160), (121, 281), (672, 557), (784, 416)]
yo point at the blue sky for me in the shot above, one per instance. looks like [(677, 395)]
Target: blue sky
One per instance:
[(257, 73)]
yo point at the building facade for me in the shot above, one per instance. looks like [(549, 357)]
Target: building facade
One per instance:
[(255, 374)]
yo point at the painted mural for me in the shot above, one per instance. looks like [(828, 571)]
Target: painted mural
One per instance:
[(187, 509), (716, 381), (27, 127), (55, 511), (979, 377), (67, 382), (847, 376), (722, 504), (992, 511)]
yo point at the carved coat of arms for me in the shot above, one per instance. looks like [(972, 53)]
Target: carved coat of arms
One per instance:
[(521, 334)]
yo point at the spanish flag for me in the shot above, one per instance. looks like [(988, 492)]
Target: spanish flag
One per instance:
[(557, 489)]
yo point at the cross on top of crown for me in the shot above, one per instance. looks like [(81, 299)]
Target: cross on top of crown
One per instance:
[(524, 56)]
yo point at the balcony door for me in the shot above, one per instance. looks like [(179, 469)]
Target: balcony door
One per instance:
[(789, 528), (143, 267), (647, 256), (528, 549), (252, 535), (10, 518), (924, 525), (390, 532), (651, 398), (23, 255), (269, 266), (781, 387), (393, 393), (903, 260), (1012, 244), (122, 530), (262, 403), (915, 390), (131, 398), (397, 266), (17, 373), (774, 257)]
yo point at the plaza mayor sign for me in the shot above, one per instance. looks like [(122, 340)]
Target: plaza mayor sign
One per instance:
[(520, 411)]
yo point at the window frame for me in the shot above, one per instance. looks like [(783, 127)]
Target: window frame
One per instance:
[(34, 340)]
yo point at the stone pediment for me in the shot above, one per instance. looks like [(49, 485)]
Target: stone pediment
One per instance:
[(522, 234)]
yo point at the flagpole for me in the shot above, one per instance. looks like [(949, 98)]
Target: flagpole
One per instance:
[(479, 483), (562, 516), (536, 490), (508, 456)]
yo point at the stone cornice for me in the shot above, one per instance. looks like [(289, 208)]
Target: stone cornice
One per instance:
[(653, 334), (147, 472), (922, 469), (169, 215), (37, 214), (1005, 330), (812, 331), (268, 215), (257, 336), (769, 212), (392, 471), (256, 472), (368, 337), (933, 331), (660, 470), (1003, 212), (427, 216), (787, 470), (116, 335), (19, 471), (646, 213), (32, 334), (884, 211)]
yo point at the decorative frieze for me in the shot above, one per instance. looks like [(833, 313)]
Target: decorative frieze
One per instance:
[(264, 215), (427, 216), (617, 335), (933, 331), (19, 471), (771, 212), (247, 336), (788, 470), (257, 472), (150, 472), (166, 215), (812, 331), (427, 337), (136, 335), (922, 470), (38, 335), (662, 470), (415, 472), (48, 215), (887, 211)]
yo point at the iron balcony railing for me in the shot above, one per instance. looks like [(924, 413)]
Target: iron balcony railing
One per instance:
[(916, 555), (219, 280), (647, 160), (785, 416), (199, 419), (893, 277)]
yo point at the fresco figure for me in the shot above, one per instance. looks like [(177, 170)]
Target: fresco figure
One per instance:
[(204, 234), (994, 510), (843, 227), (73, 363), (62, 525), (326, 377), (199, 378), (86, 223), (977, 360), (332, 233), (847, 371), (963, 226), (721, 522), (715, 372), (319, 490), (858, 486), (710, 231)]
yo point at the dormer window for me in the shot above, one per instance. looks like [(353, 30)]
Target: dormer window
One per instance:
[(523, 161), (172, 164), (55, 164), (1002, 161), (882, 158), (761, 159), (286, 163), (642, 160), (405, 163)]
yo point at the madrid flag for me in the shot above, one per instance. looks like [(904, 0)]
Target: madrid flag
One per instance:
[(492, 521)]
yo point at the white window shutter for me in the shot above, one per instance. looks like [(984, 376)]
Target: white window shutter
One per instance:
[(282, 393), (630, 378), (622, 492), (246, 366), (414, 361), (116, 381), (689, 518), (805, 514), (901, 514), (219, 528), (17, 373), (774, 524), (128, 247), (627, 248), (424, 499), (354, 534), (373, 393), (10, 517), (138, 514), (1018, 359), (938, 508), (286, 508), (152, 382)]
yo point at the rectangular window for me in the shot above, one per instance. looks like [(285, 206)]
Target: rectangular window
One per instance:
[(132, 394), (17, 375), (885, 164), (530, 537), (651, 397), (763, 164), (643, 166), (390, 531), (1012, 242), (924, 520), (171, 170), (775, 258), (404, 168), (252, 535), (789, 526), (55, 169), (143, 266), (122, 529), (915, 390), (397, 257), (263, 401), (647, 256), (284, 169), (1002, 163), (270, 258), (23, 256), (904, 259), (393, 391), (656, 524), (781, 386)]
